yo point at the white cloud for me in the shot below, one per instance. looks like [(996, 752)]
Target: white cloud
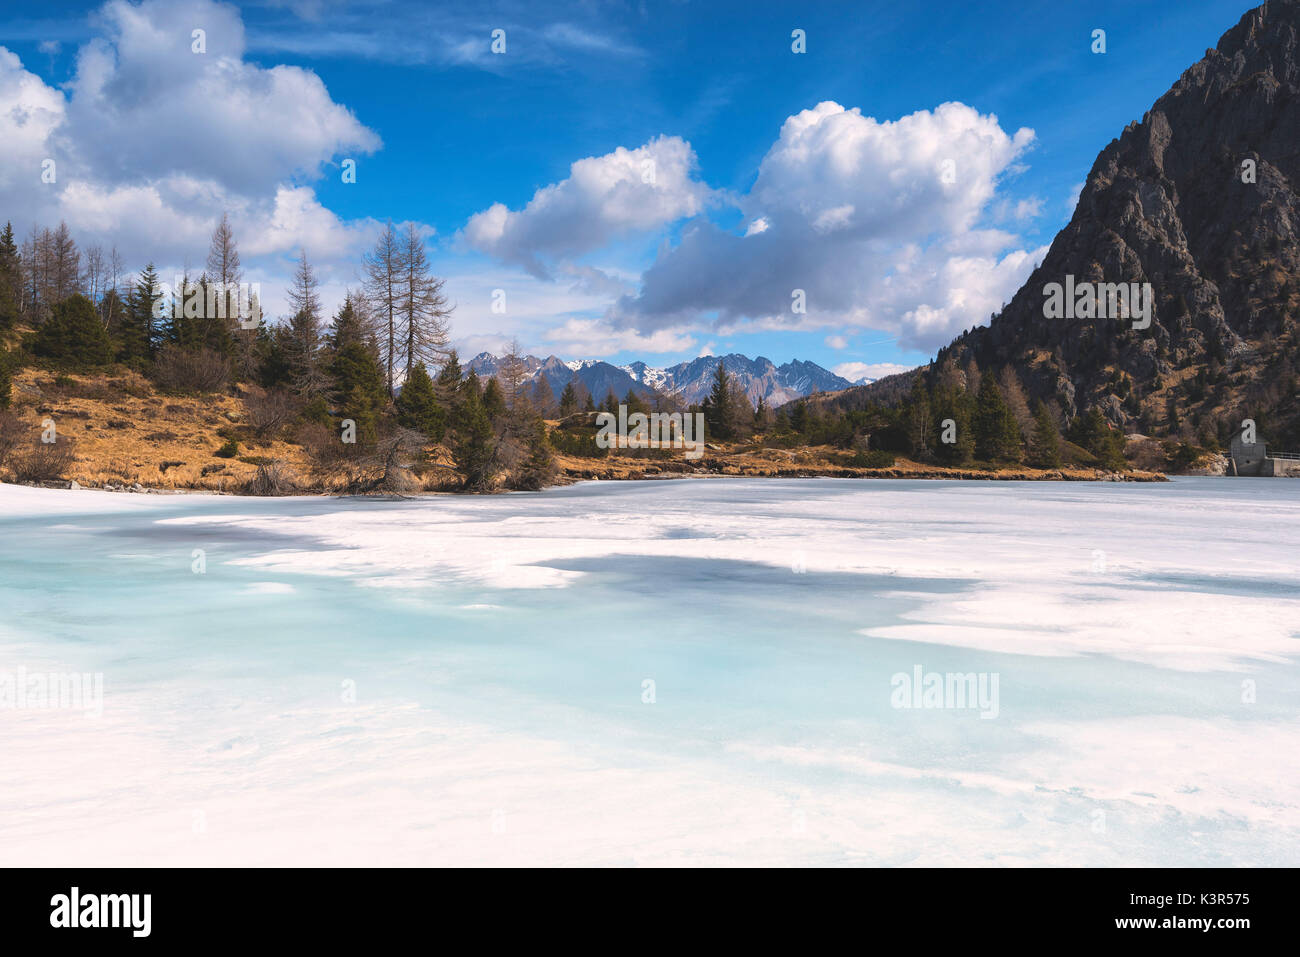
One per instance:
[(877, 222), (595, 338), (837, 342), (30, 112), (857, 371), (153, 142), (604, 198), (143, 104)]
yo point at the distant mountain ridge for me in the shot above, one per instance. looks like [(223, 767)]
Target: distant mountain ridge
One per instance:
[(689, 381)]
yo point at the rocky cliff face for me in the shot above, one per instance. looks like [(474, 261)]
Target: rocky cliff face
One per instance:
[(1199, 200)]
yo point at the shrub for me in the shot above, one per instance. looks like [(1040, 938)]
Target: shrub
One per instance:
[(37, 461), (227, 451), (272, 478), (269, 410), (873, 459), (12, 433), (191, 370)]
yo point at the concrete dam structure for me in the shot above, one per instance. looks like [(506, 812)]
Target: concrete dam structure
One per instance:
[(1254, 458)]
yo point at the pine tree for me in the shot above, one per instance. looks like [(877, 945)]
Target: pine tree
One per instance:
[(538, 468), (568, 400), (1096, 435), (449, 382), (494, 400), (475, 446), (952, 418), (418, 407), (140, 331), (997, 434), (348, 326), (590, 404), (720, 408), (1045, 443), (10, 279), (358, 388), (73, 337), (634, 403)]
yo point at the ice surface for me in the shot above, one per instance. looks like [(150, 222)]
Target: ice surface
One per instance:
[(464, 679)]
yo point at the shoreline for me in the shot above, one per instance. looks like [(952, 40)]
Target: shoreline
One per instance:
[(575, 477)]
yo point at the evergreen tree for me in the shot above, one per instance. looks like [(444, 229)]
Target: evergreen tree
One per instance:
[(140, 331), (272, 357), (449, 382), (494, 400), (359, 390), (1096, 435), (720, 408), (568, 400), (611, 402), (1045, 444), (538, 468), (348, 326), (997, 434), (11, 279), (73, 337), (952, 419), (590, 404), (634, 403), (418, 407), (475, 446), (470, 384)]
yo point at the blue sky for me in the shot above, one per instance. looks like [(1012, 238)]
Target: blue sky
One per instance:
[(764, 179)]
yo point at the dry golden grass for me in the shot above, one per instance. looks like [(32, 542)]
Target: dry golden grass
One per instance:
[(133, 434)]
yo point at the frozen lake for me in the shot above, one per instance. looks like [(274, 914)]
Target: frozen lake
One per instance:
[(687, 672)]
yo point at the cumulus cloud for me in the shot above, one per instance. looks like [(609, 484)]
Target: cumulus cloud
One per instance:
[(877, 223), (144, 104), (602, 199), (153, 142), (30, 112)]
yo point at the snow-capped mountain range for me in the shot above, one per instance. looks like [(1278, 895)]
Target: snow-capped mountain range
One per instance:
[(690, 381)]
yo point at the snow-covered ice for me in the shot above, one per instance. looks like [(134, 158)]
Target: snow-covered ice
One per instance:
[(688, 672)]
